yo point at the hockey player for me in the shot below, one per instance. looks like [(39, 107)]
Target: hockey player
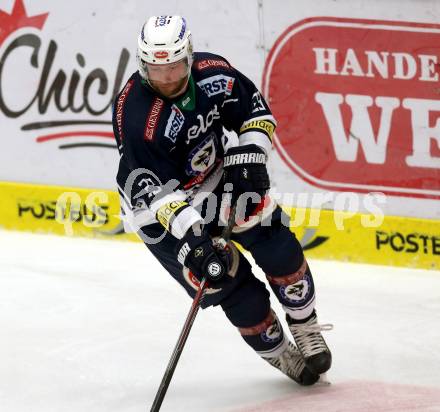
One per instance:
[(175, 165)]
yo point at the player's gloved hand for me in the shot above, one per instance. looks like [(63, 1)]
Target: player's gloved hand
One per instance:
[(199, 255), (245, 167)]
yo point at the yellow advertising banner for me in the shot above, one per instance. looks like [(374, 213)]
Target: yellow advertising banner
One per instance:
[(61, 210), (390, 240), (324, 234)]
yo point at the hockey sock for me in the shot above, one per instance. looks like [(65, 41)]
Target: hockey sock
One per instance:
[(295, 291), (267, 337)]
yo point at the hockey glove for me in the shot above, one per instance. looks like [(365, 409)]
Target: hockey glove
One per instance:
[(245, 167), (202, 258)]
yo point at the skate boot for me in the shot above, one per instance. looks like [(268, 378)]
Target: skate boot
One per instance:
[(291, 363), (311, 344)]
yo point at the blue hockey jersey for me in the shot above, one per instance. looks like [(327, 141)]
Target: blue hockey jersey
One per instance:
[(171, 150)]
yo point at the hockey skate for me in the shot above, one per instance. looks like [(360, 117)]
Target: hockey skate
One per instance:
[(311, 344), (291, 363)]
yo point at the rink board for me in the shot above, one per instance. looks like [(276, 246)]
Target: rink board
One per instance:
[(60, 210), (324, 234)]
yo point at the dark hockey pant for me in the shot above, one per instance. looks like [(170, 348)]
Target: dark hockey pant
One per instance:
[(245, 299)]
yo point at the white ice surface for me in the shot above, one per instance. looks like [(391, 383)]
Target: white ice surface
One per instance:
[(89, 325)]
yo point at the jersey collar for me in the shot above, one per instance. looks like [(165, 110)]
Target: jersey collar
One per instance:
[(188, 100)]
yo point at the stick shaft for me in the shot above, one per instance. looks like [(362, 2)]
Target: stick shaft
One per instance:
[(169, 372), (163, 387)]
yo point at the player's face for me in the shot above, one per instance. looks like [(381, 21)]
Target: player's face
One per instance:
[(169, 79)]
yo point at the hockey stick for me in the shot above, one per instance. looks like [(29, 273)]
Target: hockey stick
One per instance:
[(163, 387)]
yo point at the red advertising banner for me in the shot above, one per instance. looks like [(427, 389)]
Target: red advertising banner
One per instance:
[(358, 104)]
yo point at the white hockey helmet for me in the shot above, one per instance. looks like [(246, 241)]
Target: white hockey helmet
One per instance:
[(163, 40)]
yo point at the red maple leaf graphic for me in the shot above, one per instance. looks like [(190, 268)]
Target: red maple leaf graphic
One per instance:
[(18, 19)]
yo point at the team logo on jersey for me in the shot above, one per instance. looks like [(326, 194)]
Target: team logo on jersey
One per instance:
[(272, 333), (298, 292), (202, 157), (204, 124), (174, 124), (217, 84)]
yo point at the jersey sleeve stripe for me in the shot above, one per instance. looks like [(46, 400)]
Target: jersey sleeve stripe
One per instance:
[(258, 138), (184, 220), (263, 126), (267, 117), (177, 196)]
